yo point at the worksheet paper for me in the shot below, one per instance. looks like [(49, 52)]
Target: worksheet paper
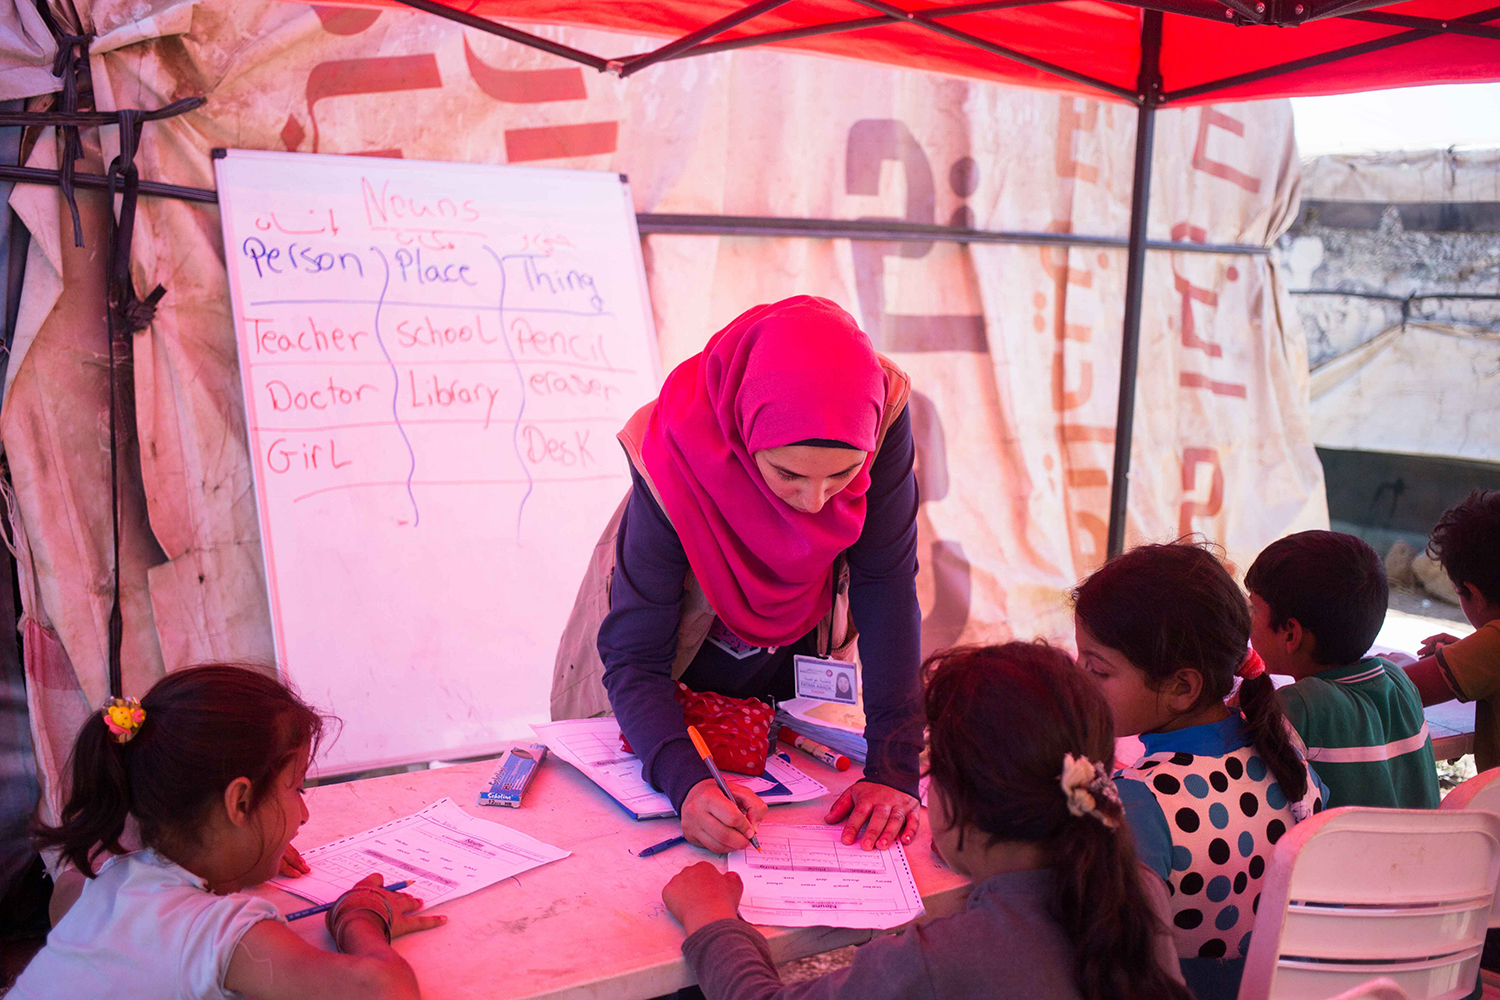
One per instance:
[(805, 876), (782, 782), (442, 851), (593, 746)]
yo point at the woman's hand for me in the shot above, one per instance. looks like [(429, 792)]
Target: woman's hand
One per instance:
[(712, 821), (884, 812), (700, 894), (292, 865)]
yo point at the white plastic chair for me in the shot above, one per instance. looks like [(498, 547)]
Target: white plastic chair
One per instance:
[(1383, 988), (1480, 792), (1353, 893)]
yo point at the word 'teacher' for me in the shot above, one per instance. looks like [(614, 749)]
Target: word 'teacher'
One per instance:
[(435, 360)]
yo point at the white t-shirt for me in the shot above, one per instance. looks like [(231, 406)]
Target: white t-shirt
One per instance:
[(143, 927)]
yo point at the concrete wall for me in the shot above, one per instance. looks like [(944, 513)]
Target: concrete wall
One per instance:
[(1398, 225)]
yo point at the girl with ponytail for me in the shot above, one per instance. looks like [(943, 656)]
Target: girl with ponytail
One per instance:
[(1165, 631), (1021, 804), (209, 765)]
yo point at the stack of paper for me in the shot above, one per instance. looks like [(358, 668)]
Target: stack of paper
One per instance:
[(593, 746), (839, 727)]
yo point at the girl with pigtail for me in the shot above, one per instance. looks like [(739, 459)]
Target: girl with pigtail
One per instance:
[(1165, 632), (1020, 802), (209, 766)]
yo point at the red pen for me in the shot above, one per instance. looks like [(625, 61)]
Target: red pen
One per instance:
[(814, 749)]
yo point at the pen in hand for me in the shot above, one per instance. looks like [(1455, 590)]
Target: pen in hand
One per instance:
[(713, 769)]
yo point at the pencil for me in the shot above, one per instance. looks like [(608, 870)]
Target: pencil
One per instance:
[(713, 769), (314, 910)]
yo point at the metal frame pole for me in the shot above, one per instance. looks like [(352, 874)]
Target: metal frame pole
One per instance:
[(1135, 274)]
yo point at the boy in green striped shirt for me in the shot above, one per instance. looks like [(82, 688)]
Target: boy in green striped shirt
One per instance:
[(1317, 601)]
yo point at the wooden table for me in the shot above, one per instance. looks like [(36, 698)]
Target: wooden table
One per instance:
[(589, 926), (1452, 727)]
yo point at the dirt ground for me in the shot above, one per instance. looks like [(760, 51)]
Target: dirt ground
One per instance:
[(1418, 603)]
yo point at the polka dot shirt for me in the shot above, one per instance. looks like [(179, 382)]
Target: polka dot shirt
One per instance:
[(1205, 812)]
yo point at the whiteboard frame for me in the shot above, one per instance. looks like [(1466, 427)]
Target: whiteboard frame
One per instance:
[(237, 294)]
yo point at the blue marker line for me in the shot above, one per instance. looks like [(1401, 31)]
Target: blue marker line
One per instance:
[(515, 431), (422, 305), (411, 471)]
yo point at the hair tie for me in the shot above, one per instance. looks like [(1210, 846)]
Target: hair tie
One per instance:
[(1252, 666), (1085, 784), (123, 716)]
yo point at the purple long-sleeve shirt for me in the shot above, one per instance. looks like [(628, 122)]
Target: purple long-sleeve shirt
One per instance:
[(638, 639), (1004, 945)]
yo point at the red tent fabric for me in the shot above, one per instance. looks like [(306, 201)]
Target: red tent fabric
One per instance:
[(1210, 51)]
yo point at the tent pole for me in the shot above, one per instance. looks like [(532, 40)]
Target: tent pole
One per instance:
[(1135, 275)]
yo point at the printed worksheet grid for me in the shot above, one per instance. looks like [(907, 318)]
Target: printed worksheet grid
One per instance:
[(351, 866), (595, 750), (787, 854)]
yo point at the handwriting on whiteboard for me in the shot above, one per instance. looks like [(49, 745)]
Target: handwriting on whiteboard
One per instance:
[(369, 338)]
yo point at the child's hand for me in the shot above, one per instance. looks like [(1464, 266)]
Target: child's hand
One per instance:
[(700, 894), (292, 865), (405, 908), (1432, 643)]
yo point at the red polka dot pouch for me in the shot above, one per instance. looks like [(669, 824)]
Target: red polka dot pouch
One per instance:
[(737, 730)]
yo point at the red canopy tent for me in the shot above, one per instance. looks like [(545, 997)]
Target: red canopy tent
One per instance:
[(1149, 53)]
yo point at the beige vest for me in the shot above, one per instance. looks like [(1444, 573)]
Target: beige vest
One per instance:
[(578, 675)]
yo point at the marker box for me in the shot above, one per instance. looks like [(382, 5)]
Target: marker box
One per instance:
[(513, 775)]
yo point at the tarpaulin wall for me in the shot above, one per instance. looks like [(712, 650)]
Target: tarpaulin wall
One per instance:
[(1013, 351)]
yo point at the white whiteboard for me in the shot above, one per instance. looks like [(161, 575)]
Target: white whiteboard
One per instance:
[(436, 358)]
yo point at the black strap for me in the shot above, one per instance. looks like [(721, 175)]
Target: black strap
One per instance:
[(127, 315), (72, 60)]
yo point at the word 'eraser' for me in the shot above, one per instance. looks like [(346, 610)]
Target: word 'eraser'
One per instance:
[(513, 775)]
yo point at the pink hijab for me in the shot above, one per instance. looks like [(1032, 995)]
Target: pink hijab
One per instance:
[(782, 373)]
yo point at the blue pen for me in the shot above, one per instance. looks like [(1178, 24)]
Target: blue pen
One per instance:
[(658, 848), (314, 910)]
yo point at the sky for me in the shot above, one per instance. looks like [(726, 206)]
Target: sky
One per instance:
[(1409, 118)]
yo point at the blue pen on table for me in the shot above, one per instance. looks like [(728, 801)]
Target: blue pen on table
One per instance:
[(314, 910), (646, 852), (713, 769)]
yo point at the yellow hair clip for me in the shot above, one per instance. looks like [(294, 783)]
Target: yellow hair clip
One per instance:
[(124, 716)]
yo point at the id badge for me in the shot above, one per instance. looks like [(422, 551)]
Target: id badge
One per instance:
[(826, 680)]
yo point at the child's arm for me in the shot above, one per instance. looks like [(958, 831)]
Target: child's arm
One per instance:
[(1467, 668), (65, 892), (1431, 681), (273, 963), (733, 961)]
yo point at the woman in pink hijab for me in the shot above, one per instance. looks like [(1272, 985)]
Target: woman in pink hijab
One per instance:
[(773, 506)]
